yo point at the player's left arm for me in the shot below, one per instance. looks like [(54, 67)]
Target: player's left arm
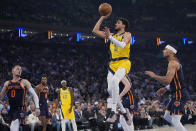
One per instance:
[(4, 90), (127, 83), (172, 66), (72, 99), (28, 86), (121, 44)]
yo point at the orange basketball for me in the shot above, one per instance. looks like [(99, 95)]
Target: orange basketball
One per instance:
[(105, 9)]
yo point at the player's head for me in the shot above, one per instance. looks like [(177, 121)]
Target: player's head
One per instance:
[(44, 79), (121, 23), (17, 70), (64, 83), (169, 50)]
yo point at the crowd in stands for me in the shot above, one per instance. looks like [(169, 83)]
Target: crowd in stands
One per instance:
[(144, 15), (85, 69)]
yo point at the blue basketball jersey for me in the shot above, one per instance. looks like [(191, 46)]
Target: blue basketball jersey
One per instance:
[(43, 96), (16, 93)]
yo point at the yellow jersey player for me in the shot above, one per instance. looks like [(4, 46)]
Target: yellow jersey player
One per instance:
[(66, 96), (120, 64)]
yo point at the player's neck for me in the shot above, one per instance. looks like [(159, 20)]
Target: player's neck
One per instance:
[(64, 88), (15, 78), (43, 84), (120, 31), (170, 58)]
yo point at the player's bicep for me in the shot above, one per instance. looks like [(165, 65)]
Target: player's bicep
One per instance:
[(27, 84), (4, 90), (172, 66), (127, 38)]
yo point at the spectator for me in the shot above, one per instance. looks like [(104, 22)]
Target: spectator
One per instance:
[(56, 119), (33, 121)]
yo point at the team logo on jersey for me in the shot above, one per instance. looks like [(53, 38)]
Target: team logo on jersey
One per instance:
[(132, 107), (176, 103)]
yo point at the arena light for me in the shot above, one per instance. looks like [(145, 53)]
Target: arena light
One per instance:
[(158, 41), (106, 40), (78, 37), (20, 30), (187, 41), (184, 40), (50, 35), (133, 40)]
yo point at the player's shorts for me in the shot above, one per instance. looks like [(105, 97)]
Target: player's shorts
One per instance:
[(176, 106), (129, 101), (44, 110), (115, 65), (66, 114), (17, 113)]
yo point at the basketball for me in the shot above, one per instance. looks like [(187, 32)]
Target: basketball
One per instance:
[(105, 9)]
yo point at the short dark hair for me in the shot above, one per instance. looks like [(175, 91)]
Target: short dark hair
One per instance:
[(44, 75), (125, 22)]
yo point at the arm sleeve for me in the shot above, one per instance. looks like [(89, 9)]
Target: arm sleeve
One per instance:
[(168, 87), (35, 97), (117, 42)]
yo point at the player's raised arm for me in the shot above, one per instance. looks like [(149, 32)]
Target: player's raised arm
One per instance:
[(28, 86), (4, 90), (127, 83), (172, 67), (96, 29)]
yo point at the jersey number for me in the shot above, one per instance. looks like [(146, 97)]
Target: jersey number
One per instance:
[(13, 93)]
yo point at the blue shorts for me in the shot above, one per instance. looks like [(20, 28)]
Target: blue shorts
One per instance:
[(130, 101), (17, 113), (44, 110), (176, 106)]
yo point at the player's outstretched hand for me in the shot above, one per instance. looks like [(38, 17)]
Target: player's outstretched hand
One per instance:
[(150, 73), (105, 17), (161, 91), (37, 112)]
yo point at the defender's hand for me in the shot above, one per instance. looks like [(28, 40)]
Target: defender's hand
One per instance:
[(150, 73)]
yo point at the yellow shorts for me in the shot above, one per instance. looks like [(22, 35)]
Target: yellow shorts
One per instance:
[(115, 65), (66, 114)]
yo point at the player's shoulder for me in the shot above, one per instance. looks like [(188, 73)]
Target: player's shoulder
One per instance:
[(128, 33), (174, 62), (7, 83)]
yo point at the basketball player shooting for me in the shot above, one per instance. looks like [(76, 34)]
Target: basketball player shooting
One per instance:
[(175, 78), (120, 64)]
